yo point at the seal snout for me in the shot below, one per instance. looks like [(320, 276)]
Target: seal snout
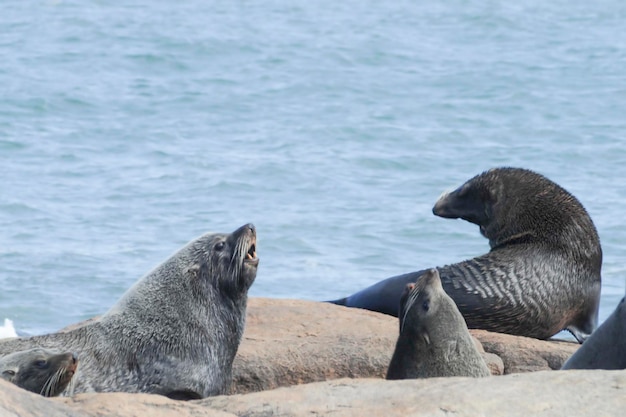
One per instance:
[(72, 364), (442, 206)]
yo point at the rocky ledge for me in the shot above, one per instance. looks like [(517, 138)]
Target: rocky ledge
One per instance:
[(292, 344), (544, 393)]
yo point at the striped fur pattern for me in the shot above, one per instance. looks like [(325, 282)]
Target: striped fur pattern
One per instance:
[(543, 272)]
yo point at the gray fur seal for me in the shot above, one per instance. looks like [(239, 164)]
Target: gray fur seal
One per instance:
[(606, 347), (434, 340), (542, 274), (175, 332), (39, 370)]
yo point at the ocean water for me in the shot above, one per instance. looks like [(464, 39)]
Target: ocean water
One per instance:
[(127, 130)]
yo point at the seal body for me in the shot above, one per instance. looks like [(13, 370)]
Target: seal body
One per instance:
[(434, 340), (176, 331), (606, 347), (543, 272), (39, 370)]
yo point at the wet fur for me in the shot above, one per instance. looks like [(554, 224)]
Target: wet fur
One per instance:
[(175, 332), (543, 272), (434, 340), (40, 371)]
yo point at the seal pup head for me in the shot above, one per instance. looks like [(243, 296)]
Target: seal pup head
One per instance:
[(41, 371), (434, 340)]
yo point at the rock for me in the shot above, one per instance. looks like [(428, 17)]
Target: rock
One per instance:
[(524, 354), (138, 405), (288, 342), (16, 402), (545, 393)]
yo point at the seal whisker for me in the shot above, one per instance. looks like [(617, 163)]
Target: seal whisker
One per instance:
[(409, 303), (38, 370), (50, 383), (72, 384)]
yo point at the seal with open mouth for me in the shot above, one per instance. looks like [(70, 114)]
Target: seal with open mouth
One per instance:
[(39, 370), (175, 332), (542, 274)]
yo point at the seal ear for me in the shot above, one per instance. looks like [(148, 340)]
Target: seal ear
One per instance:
[(194, 270), (9, 374)]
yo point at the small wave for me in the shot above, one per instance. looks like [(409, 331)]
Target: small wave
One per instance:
[(7, 330)]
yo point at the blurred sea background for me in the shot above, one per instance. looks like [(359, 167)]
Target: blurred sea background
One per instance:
[(127, 130)]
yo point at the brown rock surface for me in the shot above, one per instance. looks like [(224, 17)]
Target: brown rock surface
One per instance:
[(524, 354), (288, 342), (16, 402), (546, 393)]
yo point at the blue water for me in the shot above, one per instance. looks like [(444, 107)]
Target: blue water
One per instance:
[(128, 130)]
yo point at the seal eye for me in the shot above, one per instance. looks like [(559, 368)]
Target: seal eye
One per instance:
[(426, 305), (9, 372), (219, 246), (40, 363)]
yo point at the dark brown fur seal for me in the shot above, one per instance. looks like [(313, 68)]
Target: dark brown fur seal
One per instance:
[(606, 347), (542, 274), (176, 331), (434, 340), (39, 370)]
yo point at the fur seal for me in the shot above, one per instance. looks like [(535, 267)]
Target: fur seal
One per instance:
[(434, 340), (542, 274), (176, 331), (606, 347), (38, 370)]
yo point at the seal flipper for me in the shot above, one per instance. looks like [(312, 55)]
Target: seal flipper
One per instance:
[(579, 335), (383, 297)]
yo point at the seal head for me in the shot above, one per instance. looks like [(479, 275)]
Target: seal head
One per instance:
[(40, 371), (434, 340)]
